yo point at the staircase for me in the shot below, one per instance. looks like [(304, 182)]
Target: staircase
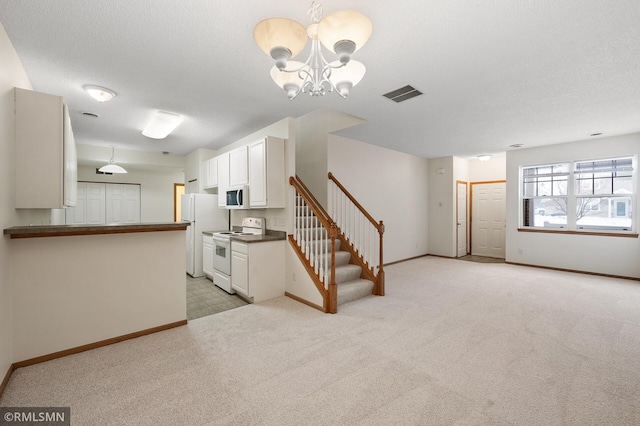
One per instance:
[(331, 256), (350, 285)]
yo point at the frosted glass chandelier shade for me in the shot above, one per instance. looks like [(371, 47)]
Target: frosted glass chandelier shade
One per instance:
[(344, 25), (344, 78), (280, 32), (353, 72)]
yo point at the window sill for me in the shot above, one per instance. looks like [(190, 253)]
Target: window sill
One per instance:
[(573, 232)]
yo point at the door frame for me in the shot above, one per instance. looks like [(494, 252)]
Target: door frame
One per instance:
[(176, 200), (470, 202), (466, 213)]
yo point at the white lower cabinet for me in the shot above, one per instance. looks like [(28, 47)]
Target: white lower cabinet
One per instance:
[(207, 255), (258, 269)]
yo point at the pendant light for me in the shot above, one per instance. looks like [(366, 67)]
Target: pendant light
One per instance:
[(112, 167)]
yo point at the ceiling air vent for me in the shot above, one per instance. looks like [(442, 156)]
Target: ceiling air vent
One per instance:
[(402, 94)]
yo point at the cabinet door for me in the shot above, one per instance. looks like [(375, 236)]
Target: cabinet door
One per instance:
[(257, 175), (212, 167), (204, 174), (122, 203), (90, 206), (39, 161), (238, 167), (76, 215), (210, 173), (94, 203), (131, 204), (70, 162), (240, 272), (207, 259), (223, 179)]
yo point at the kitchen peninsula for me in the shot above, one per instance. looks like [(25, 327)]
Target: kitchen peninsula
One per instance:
[(82, 286)]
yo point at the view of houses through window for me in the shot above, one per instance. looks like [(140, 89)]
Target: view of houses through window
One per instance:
[(580, 195)]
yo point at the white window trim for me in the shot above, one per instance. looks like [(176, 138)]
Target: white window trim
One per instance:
[(572, 197)]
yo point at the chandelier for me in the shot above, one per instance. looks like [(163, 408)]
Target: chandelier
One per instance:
[(341, 32)]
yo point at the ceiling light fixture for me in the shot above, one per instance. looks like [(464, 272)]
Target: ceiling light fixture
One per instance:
[(100, 94), (484, 157), (162, 124), (341, 32), (112, 167)]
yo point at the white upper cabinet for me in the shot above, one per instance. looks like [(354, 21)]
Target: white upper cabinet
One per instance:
[(238, 173), (46, 162), (210, 172), (223, 178), (266, 173)]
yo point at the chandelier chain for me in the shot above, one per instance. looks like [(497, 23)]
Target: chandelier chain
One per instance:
[(315, 12)]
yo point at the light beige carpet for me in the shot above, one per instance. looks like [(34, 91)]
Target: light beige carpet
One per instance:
[(452, 343)]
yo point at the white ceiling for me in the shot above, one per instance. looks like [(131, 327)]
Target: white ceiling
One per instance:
[(493, 72)]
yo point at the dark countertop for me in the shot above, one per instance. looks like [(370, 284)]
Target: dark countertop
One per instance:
[(269, 236), (69, 230)]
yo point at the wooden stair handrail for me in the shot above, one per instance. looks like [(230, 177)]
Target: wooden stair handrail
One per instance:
[(379, 226), (380, 279), (313, 198), (330, 295)]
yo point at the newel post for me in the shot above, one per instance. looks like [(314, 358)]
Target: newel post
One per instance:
[(332, 305), (380, 284)]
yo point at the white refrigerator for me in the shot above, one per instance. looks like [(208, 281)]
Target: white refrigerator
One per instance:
[(203, 214)]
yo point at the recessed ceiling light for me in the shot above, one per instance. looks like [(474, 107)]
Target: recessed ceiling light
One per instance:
[(516, 145), (484, 157), (596, 134), (100, 94), (90, 114)]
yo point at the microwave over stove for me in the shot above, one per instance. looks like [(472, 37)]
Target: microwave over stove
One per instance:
[(237, 197)]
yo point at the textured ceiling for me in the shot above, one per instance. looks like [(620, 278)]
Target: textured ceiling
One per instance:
[(493, 73)]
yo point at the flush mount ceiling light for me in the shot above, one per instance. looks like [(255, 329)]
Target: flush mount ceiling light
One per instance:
[(162, 124), (112, 167), (100, 94), (484, 157), (341, 32)]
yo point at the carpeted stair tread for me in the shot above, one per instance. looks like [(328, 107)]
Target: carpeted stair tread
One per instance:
[(345, 273), (342, 258), (353, 290)]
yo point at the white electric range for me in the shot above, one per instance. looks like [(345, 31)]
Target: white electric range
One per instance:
[(222, 250)]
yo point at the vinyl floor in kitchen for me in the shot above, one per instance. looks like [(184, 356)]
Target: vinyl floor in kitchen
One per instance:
[(204, 298)]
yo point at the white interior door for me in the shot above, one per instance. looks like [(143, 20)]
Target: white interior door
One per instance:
[(461, 217), (488, 219)]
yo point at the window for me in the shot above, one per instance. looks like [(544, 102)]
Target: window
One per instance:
[(595, 195), (607, 184), (545, 190)]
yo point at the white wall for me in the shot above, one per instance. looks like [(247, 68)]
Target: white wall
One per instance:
[(12, 75), (193, 166), (484, 171), (391, 186), (156, 189), (442, 207), (607, 255)]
